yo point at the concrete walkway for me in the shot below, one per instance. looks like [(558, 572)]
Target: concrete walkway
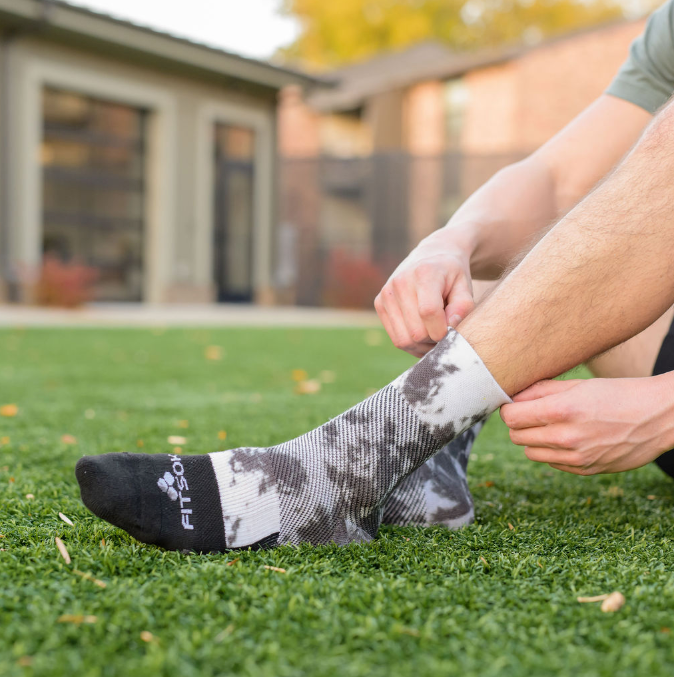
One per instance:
[(194, 315)]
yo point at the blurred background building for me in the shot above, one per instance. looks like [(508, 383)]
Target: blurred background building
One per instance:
[(176, 172), (373, 165), (148, 158)]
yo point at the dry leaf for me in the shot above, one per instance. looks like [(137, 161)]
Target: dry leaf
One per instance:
[(665, 629), (63, 550), (221, 635), (310, 387), (589, 500), (299, 375), (68, 439), (177, 440), (147, 636), (140, 443), (76, 619), (102, 542), (25, 661), (327, 376), (373, 337), (510, 526), (596, 598), (67, 520), (222, 434), (184, 424), (30, 496), (9, 410), (234, 561), (177, 450), (651, 497), (281, 571), (484, 560), (615, 492), (213, 353), (613, 602), (89, 577), (4, 440)]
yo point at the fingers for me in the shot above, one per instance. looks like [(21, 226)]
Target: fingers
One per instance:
[(548, 437), (539, 412), (545, 388), (567, 461), (431, 305), (460, 301)]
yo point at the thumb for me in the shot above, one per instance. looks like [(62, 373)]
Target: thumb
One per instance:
[(545, 388)]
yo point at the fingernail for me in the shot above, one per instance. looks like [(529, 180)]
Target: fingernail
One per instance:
[(454, 320)]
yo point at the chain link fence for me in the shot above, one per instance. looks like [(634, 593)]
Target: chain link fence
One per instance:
[(345, 224)]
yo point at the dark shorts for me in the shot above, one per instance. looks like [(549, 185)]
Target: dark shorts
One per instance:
[(663, 364)]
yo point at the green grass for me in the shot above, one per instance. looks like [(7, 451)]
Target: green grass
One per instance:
[(486, 600)]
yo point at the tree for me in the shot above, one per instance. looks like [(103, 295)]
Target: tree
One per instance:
[(337, 32)]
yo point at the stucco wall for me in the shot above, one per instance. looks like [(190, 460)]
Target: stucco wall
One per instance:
[(182, 112)]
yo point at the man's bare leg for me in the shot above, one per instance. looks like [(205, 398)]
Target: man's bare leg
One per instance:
[(604, 273)]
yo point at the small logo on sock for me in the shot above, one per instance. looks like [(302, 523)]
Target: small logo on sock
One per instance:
[(173, 485)]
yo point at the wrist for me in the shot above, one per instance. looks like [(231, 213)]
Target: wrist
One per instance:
[(662, 397), (460, 238)]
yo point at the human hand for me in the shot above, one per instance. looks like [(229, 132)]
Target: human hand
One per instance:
[(586, 427), (429, 291)]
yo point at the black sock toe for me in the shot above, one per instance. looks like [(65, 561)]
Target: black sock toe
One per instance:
[(170, 501)]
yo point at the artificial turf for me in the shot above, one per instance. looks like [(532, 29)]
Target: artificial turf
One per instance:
[(495, 598)]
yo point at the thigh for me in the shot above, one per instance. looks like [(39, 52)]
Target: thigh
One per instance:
[(636, 357)]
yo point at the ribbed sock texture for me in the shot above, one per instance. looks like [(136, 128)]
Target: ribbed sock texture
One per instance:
[(437, 493), (329, 485)]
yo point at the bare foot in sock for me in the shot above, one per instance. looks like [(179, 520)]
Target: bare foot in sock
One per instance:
[(329, 485)]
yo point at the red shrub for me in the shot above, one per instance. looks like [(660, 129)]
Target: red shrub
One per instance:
[(67, 285)]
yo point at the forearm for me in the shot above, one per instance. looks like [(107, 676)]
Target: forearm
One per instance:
[(601, 275), (503, 216)]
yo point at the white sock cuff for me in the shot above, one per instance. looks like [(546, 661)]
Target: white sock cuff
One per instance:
[(450, 388)]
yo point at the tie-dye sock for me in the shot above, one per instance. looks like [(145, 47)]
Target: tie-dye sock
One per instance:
[(329, 485), (437, 492)]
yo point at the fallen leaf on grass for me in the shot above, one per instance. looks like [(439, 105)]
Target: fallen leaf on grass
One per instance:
[(9, 410), (25, 661), (147, 636), (140, 443), (615, 492), (234, 561), (510, 526), (77, 619), (327, 376), (299, 375), (223, 633), (68, 439), (651, 497), (102, 542), (613, 602), (596, 598), (177, 450), (4, 440), (30, 496), (67, 520), (665, 630), (484, 560), (183, 424), (281, 571), (373, 337), (63, 550), (310, 387), (177, 440), (213, 353), (89, 577), (222, 434)]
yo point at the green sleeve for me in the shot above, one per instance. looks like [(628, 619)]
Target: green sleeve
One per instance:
[(647, 77)]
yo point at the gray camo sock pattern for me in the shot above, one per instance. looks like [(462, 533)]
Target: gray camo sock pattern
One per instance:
[(437, 492), (329, 485)]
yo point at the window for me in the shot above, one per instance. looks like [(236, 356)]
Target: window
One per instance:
[(456, 100), (93, 160), (233, 228)]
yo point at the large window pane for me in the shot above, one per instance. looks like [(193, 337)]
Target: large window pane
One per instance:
[(233, 231), (93, 189)]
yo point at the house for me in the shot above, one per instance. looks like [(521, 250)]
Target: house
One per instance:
[(383, 158), (148, 157)]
